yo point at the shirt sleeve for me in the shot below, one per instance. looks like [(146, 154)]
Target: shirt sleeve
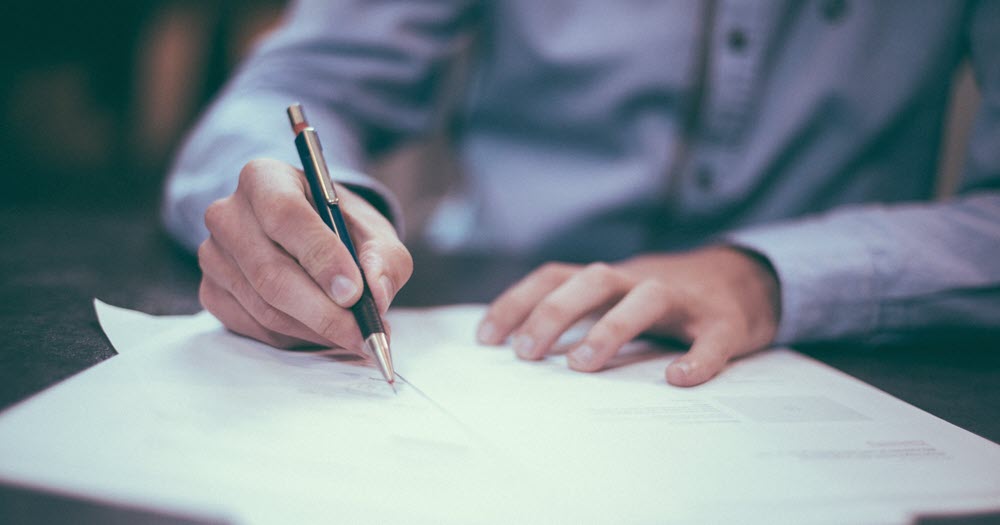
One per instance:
[(885, 272), (367, 75)]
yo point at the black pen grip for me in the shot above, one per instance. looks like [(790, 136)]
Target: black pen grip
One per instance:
[(365, 311), (366, 314)]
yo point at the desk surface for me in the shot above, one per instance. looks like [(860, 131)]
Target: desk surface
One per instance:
[(54, 263)]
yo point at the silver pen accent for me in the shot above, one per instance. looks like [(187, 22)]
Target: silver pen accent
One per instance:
[(378, 345)]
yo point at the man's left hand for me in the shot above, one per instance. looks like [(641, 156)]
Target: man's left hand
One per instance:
[(721, 300)]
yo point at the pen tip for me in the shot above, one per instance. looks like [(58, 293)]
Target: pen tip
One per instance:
[(378, 346)]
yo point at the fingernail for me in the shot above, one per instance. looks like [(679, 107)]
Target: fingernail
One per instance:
[(681, 367), (523, 345), (486, 332), (581, 356), (343, 290), (386, 285)]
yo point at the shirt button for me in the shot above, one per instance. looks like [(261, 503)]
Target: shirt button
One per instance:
[(736, 40), (704, 178), (833, 10)]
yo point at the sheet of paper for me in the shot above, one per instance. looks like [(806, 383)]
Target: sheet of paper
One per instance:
[(778, 435), (195, 418), (202, 421), (133, 329)]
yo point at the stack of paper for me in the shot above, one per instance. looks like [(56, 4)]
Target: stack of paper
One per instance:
[(191, 418)]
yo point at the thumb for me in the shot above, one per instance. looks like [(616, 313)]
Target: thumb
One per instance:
[(709, 353)]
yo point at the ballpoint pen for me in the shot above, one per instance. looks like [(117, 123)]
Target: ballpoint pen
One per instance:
[(328, 206)]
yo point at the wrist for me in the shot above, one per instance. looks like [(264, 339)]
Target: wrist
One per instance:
[(762, 287)]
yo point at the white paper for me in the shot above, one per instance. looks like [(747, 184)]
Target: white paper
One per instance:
[(201, 421), (194, 419), (777, 437), (133, 329)]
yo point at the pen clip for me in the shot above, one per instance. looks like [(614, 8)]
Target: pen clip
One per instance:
[(313, 154), (319, 166)]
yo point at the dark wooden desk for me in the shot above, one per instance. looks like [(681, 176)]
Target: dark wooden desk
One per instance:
[(53, 263)]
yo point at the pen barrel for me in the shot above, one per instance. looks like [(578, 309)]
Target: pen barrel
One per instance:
[(365, 311)]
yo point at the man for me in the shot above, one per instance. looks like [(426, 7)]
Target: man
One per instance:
[(750, 173)]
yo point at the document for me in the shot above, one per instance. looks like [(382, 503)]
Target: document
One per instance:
[(191, 418), (200, 421)]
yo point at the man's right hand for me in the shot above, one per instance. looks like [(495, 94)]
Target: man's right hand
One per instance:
[(272, 270)]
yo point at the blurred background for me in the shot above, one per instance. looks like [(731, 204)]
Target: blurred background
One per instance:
[(95, 100), (95, 97)]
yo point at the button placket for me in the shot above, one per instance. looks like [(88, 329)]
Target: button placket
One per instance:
[(833, 10), (704, 177), (736, 40), (742, 29)]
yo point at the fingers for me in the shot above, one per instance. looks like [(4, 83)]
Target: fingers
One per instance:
[(587, 291), (271, 267), (282, 283), (276, 277), (228, 310), (222, 277), (279, 203), (709, 353), (717, 298), (509, 310), (290, 220), (386, 262), (643, 306), (388, 265)]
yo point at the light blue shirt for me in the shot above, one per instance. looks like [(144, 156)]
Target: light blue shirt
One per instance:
[(594, 130)]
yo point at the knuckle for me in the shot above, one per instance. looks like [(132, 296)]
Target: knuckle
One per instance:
[(329, 327), (550, 274), (285, 206), (270, 281), (516, 304), (653, 288), (204, 255), (215, 214), (600, 274), (206, 297), (653, 294), (317, 257), (203, 248), (252, 171), (401, 259), (602, 344), (276, 214), (271, 318), (549, 310), (390, 257), (370, 252), (610, 330), (244, 292)]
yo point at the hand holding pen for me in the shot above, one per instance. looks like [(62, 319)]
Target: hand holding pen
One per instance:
[(274, 271)]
